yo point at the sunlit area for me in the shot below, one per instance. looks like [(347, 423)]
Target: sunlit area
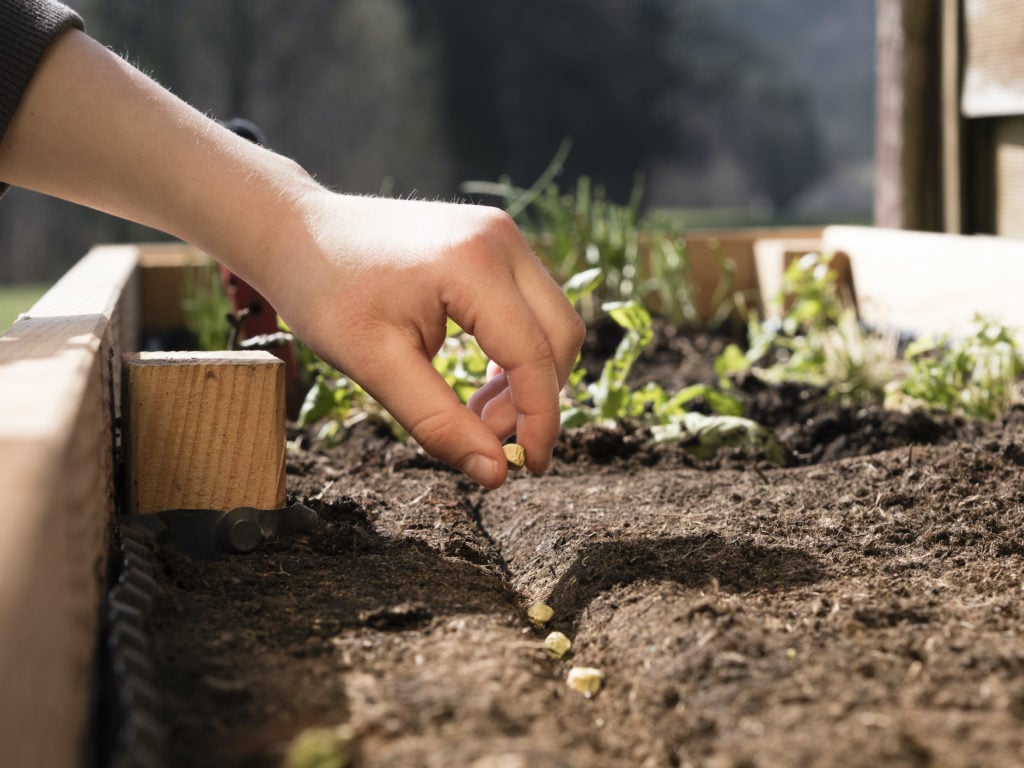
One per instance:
[(606, 383), (717, 113)]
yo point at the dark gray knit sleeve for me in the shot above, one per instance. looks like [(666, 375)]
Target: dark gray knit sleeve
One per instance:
[(27, 27)]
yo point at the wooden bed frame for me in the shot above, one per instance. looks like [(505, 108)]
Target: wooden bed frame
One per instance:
[(60, 402)]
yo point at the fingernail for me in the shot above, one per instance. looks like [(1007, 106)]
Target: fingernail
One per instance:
[(482, 469)]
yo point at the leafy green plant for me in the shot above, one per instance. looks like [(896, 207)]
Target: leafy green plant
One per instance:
[(975, 376), (818, 340), (461, 362), (339, 403), (611, 398), (206, 306), (336, 402)]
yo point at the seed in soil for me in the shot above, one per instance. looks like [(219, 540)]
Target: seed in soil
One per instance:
[(540, 614), (557, 645), (585, 680), (515, 455), (322, 748)]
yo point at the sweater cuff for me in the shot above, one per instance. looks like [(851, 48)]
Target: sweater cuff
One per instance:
[(27, 28)]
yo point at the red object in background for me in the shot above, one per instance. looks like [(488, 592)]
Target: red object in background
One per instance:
[(261, 320)]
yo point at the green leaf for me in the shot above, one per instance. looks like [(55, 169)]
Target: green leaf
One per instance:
[(731, 360), (705, 435), (576, 416), (631, 316), (582, 284), (319, 402)]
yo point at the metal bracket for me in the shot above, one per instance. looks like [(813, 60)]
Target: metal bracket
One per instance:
[(209, 533)]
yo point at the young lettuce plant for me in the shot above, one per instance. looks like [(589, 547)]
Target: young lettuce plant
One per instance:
[(818, 340), (976, 376), (611, 399)]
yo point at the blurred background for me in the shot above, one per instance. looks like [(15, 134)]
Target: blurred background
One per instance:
[(728, 112)]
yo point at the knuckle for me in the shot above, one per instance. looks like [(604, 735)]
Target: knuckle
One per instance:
[(433, 433), (577, 332)]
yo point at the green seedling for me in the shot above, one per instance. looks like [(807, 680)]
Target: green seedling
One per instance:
[(206, 306), (611, 398), (975, 376), (704, 436), (644, 260), (818, 340)]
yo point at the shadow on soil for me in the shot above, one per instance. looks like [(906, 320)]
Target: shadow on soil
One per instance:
[(691, 561)]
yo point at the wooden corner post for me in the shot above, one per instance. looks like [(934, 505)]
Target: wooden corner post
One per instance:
[(204, 430)]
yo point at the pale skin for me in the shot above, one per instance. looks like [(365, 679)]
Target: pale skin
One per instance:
[(366, 282)]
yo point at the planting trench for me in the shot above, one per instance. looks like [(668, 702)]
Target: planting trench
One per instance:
[(859, 607)]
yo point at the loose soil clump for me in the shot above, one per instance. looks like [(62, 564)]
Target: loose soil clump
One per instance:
[(861, 606)]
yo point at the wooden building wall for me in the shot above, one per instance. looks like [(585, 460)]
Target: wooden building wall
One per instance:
[(950, 133)]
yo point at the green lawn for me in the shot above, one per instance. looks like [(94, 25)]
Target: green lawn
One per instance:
[(15, 299)]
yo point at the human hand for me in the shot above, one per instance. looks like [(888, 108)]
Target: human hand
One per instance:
[(368, 284)]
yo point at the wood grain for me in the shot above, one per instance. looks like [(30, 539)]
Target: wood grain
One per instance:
[(205, 430), (58, 373)]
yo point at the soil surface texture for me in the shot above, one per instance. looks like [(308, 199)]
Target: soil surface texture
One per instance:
[(862, 606)]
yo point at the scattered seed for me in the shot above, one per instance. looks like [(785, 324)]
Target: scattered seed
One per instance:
[(557, 645), (322, 748), (540, 614), (515, 455), (585, 680)]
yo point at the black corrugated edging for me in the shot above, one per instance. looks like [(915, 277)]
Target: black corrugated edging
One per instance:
[(129, 730)]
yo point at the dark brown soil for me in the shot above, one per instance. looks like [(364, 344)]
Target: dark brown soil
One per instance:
[(860, 607)]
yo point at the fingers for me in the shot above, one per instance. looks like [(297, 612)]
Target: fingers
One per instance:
[(545, 298), (535, 343), (423, 404), (522, 395)]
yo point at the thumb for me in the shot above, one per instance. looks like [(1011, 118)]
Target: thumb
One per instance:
[(423, 403)]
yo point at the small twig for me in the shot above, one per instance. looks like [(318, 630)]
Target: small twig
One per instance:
[(236, 320)]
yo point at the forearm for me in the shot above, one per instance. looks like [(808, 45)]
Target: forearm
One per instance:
[(367, 283), (94, 130)]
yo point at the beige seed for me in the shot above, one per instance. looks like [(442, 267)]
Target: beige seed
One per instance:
[(515, 455), (585, 680), (540, 614), (321, 747), (557, 645)]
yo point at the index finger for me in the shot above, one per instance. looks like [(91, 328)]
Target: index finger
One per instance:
[(509, 332), (500, 402)]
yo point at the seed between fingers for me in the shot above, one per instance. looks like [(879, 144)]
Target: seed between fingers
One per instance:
[(515, 455)]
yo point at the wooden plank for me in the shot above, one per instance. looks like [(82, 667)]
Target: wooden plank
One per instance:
[(952, 133), (994, 48), (168, 271), (772, 258), (708, 248), (58, 368), (908, 150), (205, 430), (928, 283), (1009, 176)]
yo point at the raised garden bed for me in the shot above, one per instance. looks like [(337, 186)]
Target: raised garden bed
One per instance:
[(861, 606)]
